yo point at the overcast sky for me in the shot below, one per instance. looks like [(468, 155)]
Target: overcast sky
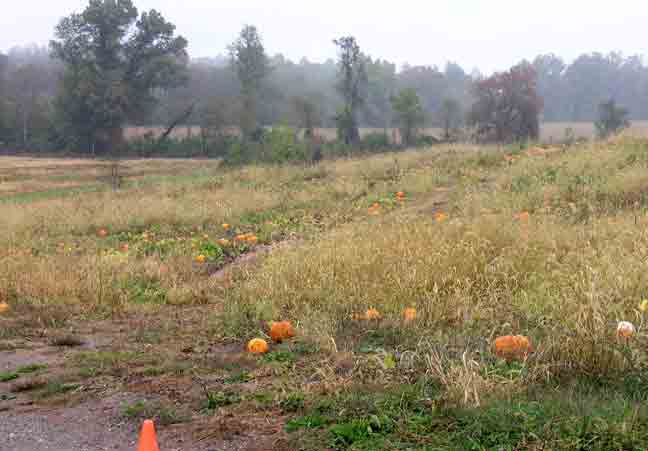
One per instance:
[(489, 35)]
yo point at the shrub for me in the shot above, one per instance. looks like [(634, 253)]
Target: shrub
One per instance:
[(280, 145), (375, 142), (612, 119)]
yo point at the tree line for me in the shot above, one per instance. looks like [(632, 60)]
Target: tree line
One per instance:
[(112, 66)]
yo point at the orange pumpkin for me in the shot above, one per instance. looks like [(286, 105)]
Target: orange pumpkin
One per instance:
[(513, 347), (124, 248), (258, 346), (400, 194), (280, 331), (226, 227), (201, 259), (372, 314), (409, 314), (102, 233), (441, 217), (4, 307)]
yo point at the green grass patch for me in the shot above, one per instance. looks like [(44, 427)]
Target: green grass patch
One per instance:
[(163, 413)]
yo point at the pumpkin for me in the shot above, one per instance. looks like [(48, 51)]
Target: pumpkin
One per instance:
[(643, 307), (124, 248), (201, 259), (441, 217), (252, 239), (523, 216), (4, 307), (512, 347), (409, 314), (372, 314), (280, 331), (400, 194), (625, 329), (102, 233), (257, 346), (242, 237), (226, 227)]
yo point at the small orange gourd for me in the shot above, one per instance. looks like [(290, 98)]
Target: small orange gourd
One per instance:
[(409, 314), (280, 331), (372, 314), (512, 347), (257, 346)]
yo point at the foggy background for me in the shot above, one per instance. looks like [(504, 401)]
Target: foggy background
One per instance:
[(475, 34)]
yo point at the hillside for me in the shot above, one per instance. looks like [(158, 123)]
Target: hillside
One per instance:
[(398, 272)]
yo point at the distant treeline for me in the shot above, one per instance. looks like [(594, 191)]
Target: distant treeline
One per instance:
[(48, 95), (571, 92)]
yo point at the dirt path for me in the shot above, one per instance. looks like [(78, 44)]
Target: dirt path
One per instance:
[(94, 418), (100, 426)]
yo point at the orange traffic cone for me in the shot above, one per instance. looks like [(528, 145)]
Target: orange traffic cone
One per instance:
[(148, 438)]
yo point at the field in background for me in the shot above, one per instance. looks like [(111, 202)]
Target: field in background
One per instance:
[(550, 131), (139, 302), (24, 178)]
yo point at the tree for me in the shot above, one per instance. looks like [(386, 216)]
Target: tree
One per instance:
[(114, 63), (352, 85), (249, 61), (451, 116), (29, 84), (381, 87), (551, 86), (215, 117), (307, 115), (409, 114), (507, 106), (612, 119)]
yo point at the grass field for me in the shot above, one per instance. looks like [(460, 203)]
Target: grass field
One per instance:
[(145, 291)]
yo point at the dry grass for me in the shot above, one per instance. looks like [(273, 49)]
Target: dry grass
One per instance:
[(489, 241)]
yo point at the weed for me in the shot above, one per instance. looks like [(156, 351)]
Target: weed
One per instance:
[(29, 369), (8, 376), (294, 402), (239, 378), (306, 422), (215, 400), (59, 388), (162, 412), (280, 357)]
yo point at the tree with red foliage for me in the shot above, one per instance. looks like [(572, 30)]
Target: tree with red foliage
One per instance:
[(507, 105)]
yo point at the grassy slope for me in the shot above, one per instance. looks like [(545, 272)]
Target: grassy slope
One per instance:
[(564, 276)]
